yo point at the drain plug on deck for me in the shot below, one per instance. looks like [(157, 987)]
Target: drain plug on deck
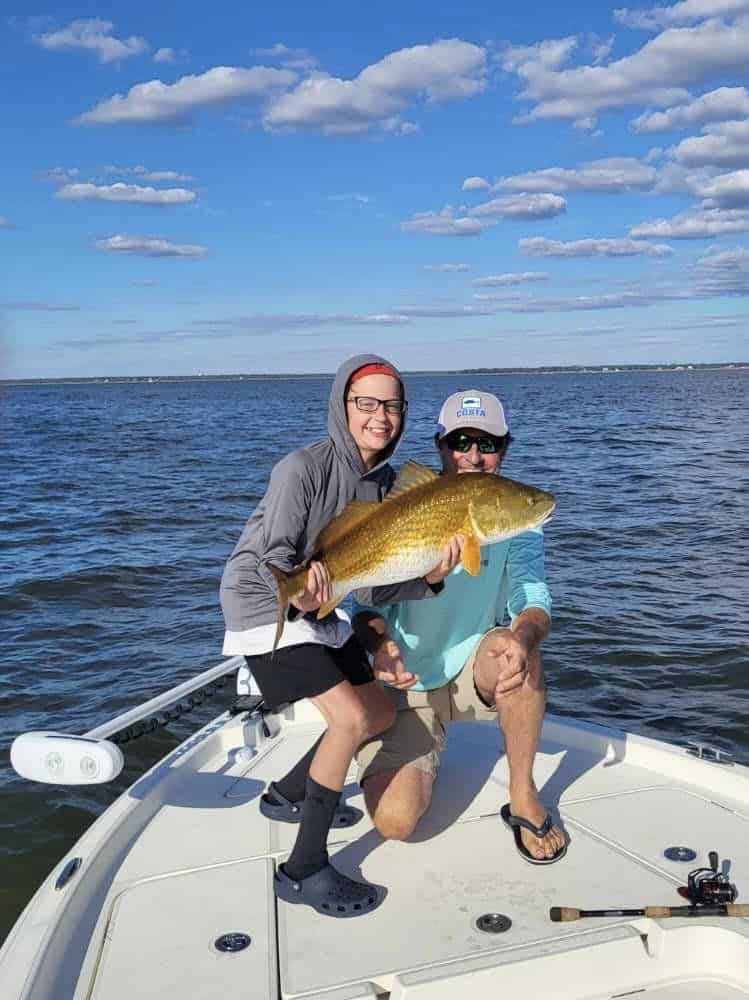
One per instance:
[(493, 923), (234, 941)]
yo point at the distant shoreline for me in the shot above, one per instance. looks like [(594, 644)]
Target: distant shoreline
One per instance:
[(246, 377)]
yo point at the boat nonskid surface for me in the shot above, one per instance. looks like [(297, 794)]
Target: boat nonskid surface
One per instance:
[(184, 857)]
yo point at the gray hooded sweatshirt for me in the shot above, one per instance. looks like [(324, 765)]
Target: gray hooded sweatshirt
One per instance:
[(307, 489)]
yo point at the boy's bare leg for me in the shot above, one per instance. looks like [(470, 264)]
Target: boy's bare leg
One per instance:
[(396, 800), (353, 715), (521, 713)]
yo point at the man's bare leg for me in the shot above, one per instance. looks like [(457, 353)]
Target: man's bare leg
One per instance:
[(521, 714), (396, 800)]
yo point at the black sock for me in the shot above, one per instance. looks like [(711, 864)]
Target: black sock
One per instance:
[(294, 785), (310, 852)]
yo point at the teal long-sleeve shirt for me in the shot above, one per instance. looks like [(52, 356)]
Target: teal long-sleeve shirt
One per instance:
[(437, 636)]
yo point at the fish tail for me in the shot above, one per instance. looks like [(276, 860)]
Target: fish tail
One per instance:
[(282, 579), (289, 585)]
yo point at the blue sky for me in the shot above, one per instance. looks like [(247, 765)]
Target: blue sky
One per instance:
[(273, 189)]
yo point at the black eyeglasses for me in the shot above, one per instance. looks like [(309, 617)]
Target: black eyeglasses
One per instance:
[(486, 444), (370, 404)]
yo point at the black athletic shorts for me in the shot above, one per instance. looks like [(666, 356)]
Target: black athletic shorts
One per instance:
[(308, 669)]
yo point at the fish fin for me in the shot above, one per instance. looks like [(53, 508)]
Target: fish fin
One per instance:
[(325, 609), (410, 474), (471, 557), (283, 601), (351, 515)]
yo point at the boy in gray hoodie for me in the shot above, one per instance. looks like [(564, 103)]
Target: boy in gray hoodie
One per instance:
[(320, 660)]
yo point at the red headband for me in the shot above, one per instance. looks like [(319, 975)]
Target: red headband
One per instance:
[(374, 369)]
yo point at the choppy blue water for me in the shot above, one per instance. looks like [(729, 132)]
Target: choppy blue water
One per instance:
[(120, 503)]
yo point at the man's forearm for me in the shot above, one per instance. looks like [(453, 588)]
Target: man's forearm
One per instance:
[(370, 629), (533, 625)]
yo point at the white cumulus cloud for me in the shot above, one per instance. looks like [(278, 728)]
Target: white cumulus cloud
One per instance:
[(132, 193), (620, 173), (719, 105), (539, 246), (165, 55), (475, 184), (655, 75), (723, 145), (695, 225), (160, 176), (449, 69), (61, 175), (511, 278), (94, 35), (300, 59), (602, 49), (726, 190), (442, 223), (521, 206), (685, 12), (158, 102), (149, 246)]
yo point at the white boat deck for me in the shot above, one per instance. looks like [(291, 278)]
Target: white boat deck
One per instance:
[(194, 859)]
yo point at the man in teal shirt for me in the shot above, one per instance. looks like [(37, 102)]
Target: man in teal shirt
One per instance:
[(449, 659)]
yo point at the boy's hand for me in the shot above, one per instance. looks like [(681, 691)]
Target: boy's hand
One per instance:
[(389, 667), (451, 556), (317, 589)]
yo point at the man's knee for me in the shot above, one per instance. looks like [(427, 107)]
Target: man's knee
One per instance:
[(533, 685), (395, 823), (396, 800)]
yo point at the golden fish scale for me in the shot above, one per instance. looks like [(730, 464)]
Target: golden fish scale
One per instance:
[(424, 517)]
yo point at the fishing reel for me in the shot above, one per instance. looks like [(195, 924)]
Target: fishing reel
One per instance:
[(708, 886)]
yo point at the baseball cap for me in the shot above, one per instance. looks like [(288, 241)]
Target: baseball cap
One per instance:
[(472, 408)]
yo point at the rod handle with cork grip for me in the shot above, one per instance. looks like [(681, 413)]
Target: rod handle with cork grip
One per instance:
[(564, 914)]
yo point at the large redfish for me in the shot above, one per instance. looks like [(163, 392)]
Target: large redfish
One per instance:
[(373, 544)]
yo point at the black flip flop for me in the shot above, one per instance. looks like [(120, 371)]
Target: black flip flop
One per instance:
[(285, 811), (515, 822), (329, 892)]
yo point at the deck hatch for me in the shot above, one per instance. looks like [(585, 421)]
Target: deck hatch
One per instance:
[(163, 934), (643, 821)]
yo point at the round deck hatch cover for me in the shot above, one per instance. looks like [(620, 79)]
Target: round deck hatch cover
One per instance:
[(680, 854), (493, 923), (234, 941)]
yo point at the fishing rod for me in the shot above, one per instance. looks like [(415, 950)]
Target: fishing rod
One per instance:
[(562, 914), (708, 890)]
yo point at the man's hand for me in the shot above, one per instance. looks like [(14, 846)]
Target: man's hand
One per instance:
[(451, 556), (317, 590), (389, 667), (514, 652)]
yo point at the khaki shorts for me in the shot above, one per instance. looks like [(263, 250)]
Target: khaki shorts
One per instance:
[(417, 737)]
